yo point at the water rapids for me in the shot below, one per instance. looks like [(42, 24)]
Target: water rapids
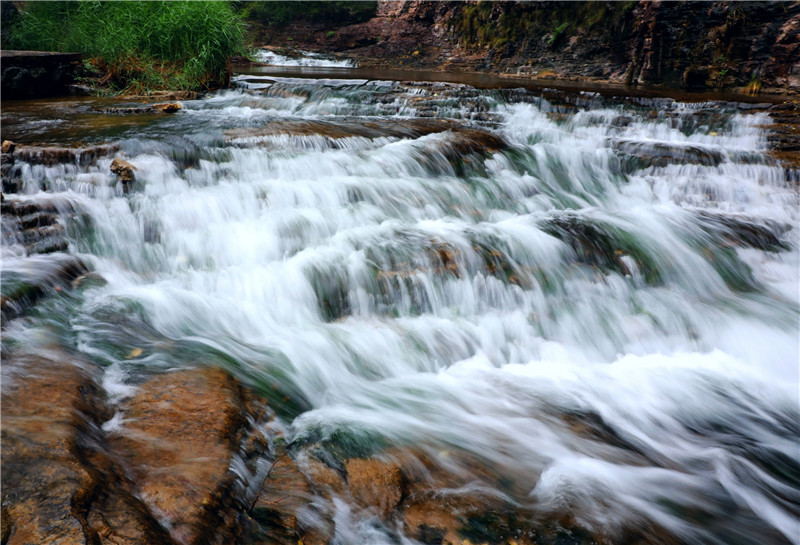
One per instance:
[(473, 274)]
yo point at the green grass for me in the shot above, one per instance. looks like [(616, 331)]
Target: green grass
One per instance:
[(141, 45)]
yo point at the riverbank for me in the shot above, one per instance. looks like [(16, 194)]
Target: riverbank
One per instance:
[(749, 47)]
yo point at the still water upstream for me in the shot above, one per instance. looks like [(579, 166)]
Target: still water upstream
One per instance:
[(453, 269)]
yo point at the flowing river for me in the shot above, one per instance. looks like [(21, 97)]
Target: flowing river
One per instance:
[(592, 299)]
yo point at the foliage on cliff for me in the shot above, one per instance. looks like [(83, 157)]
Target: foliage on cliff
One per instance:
[(140, 45), (279, 13), (499, 25)]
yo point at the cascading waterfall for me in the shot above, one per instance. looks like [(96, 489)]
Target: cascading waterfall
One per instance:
[(449, 269)]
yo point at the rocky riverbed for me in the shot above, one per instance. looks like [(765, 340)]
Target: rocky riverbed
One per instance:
[(370, 311)]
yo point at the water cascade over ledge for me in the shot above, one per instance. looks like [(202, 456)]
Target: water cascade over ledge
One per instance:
[(579, 309)]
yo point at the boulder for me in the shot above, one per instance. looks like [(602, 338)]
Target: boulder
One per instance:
[(375, 483), (181, 433), (123, 169), (59, 484), (161, 479), (8, 146), (167, 107)]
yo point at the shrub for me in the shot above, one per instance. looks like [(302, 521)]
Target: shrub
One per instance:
[(144, 45)]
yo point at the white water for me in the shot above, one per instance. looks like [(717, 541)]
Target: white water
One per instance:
[(305, 58), (696, 376)]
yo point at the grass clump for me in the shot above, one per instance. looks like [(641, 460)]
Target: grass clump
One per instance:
[(142, 46)]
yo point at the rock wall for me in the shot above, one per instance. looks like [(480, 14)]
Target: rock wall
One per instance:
[(694, 45), (34, 74)]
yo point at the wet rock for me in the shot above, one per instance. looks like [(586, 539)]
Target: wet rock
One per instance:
[(124, 171), (49, 156), (66, 482), (763, 234), (34, 223), (59, 485), (181, 433), (656, 154), (41, 474), (284, 496), (375, 483), (167, 107), (10, 185), (400, 128), (34, 278)]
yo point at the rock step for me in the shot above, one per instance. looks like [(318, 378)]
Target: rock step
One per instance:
[(60, 485), (37, 277), (162, 478)]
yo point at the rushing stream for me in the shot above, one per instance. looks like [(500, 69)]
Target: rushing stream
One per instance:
[(455, 270)]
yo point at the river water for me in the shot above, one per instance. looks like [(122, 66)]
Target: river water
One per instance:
[(452, 269)]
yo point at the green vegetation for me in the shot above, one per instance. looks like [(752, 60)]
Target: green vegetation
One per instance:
[(278, 13), (141, 46), (557, 33), (483, 23)]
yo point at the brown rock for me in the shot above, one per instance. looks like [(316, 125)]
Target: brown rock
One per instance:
[(322, 478), (53, 156), (8, 146), (52, 493), (284, 492), (123, 169), (167, 107), (375, 483), (181, 433)]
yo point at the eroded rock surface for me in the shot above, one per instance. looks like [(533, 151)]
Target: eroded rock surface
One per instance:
[(164, 478), (181, 432), (59, 483)]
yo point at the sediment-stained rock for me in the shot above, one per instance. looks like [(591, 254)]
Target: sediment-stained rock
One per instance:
[(163, 479), (181, 432), (59, 484), (54, 155), (123, 169)]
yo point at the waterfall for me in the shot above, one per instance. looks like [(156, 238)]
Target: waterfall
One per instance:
[(462, 271)]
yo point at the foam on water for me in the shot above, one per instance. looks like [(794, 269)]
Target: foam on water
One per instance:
[(453, 300), (305, 58)]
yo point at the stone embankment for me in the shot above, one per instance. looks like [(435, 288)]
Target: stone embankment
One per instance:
[(34, 74)]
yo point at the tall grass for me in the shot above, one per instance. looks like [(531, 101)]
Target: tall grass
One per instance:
[(143, 45)]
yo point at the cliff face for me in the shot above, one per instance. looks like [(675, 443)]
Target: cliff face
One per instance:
[(680, 44), (719, 44)]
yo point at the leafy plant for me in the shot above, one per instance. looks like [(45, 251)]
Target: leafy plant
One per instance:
[(142, 45), (557, 33)]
